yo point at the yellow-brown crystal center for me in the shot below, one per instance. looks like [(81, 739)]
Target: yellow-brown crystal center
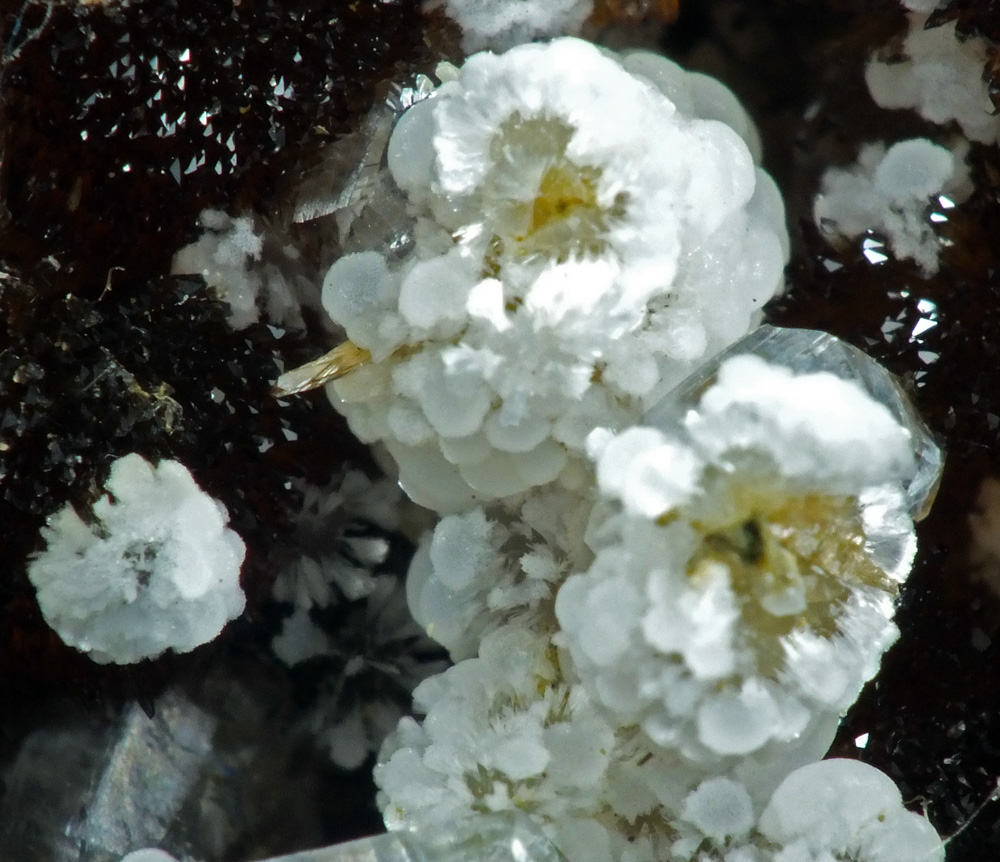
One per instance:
[(792, 564)]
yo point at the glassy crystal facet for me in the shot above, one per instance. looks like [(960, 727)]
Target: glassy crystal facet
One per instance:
[(808, 351)]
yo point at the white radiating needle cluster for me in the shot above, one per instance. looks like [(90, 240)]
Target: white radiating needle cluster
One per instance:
[(588, 227), (152, 568)]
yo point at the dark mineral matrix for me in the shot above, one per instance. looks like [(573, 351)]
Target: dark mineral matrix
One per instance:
[(121, 122)]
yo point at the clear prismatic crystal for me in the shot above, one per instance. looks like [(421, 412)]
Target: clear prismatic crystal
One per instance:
[(500, 838)]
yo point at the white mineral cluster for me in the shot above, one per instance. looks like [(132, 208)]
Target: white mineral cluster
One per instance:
[(940, 77), (501, 24), (152, 567), (588, 227), (897, 192), (733, 604), (488, 568), (658, 614), (230, 256), (651, 665)]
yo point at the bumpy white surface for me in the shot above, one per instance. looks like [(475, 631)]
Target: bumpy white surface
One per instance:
[(501, 24), (844, 809), (500, 731), (483, 569), (941, 78), (890, 192), (584, 237), (155, 568), (674, 653), (506, 730), (149, 854)]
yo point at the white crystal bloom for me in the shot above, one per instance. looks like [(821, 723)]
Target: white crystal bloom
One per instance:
[(588, 227), (941, 78), (153, 568), (501, 732), (501, 24), (340, 551), (844, 809), (823, 811), (230, 256), (485, 568), (890, 192), (742, 592)]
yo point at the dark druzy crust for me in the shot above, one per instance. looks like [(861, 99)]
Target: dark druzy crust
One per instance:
[(121, 121)]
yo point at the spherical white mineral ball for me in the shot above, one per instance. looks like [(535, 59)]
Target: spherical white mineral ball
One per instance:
[(720, 808), (845, 808), (149, 854), (153, 568), (587, 228)]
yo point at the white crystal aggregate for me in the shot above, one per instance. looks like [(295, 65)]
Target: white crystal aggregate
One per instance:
[(484, 569), (152, 567), (652, 710), (588, 227), (940, 77), (501, 24), (230, 255), (505, 731), (706, 616), (894, 192)]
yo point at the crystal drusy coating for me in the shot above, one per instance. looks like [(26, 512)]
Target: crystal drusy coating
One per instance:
[(749, 604), (157, 569), (588, 227)]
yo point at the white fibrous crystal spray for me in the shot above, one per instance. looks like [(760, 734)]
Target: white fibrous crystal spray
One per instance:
[(501, 24), (941, 78), (588, 228), (897, 193), (735, 605), (376, 654), (153, 567)]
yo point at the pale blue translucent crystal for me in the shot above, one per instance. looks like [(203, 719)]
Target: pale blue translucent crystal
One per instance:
[(494, 838), (808, 351)]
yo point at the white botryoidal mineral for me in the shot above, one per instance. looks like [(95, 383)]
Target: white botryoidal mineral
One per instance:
[(824, 811), (153, 567), (737, 602), (941, 78), (501, 24), (486, 568), (844, 809), (588, 227), (501, 731), (896, 192), (508, 731)]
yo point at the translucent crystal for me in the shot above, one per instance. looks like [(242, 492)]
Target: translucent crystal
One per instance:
[(77, 792), (494, 838), (806, 351)]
